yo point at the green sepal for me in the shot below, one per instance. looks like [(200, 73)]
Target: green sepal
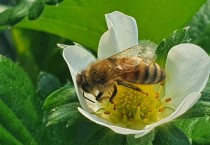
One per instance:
[(33, 9), (60, 97), (106, 136), (13, 15), (46, 84), (177, 37), (85, 133), (76, 118), (169, 134), (52, 2), (144, 140), (36, 9), (64, 113)]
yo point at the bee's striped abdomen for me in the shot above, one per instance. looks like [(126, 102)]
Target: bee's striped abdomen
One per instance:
[(147, 74), (155, 74)]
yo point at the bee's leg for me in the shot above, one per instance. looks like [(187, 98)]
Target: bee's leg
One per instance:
[(130, 86), (98, 97), (113, 94), (87, 98)]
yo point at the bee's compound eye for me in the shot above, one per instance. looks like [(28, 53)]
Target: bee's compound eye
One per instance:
[(85, 87)]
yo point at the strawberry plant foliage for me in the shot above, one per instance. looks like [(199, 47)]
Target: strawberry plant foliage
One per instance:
[(32, 9)]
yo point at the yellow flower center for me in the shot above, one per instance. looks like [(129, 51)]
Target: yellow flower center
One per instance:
[(135, 109)]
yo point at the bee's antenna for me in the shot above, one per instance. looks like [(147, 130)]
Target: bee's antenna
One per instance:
[(87, 98)]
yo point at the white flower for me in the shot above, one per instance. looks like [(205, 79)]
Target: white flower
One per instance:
[(187, 70)]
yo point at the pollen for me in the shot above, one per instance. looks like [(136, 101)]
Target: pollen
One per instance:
[(133, 108), (168, 100)]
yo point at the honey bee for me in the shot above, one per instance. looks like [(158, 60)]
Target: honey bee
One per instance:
[(135, 65)]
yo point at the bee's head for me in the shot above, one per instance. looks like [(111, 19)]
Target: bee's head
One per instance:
[(83, 83)]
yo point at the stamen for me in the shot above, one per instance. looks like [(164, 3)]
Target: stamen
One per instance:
[(106, 112), (168, 100), (133, 108), (157, 96), (161, 109)]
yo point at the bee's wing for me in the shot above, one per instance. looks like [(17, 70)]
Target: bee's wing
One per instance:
[(131, 59), (142, 52), (145, 51)]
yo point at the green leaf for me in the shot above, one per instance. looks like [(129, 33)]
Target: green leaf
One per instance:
[(14, 126), (170, 135), (197, 129), (145, 140), (46, 84), (17, 91), (200, 27), (61, 96), (6, 138), (83, 21), (177, 37)]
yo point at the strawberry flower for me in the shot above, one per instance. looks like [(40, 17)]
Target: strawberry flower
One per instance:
[(187, 71)]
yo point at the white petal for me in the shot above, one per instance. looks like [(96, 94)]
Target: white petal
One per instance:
[(77, 59), (185, 105), (187, 71), (108, 44), (122, 34)]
